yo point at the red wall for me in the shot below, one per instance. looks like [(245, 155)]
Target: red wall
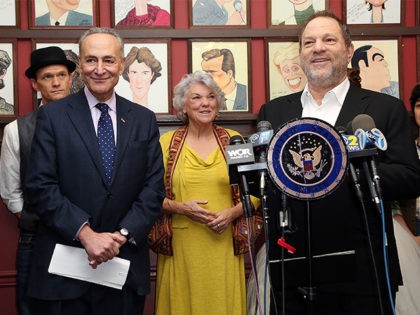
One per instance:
[(258, 9)]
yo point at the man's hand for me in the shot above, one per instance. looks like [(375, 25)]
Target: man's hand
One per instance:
[(100, 247)]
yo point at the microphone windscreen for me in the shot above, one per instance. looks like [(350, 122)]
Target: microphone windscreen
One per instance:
[(263, 125), (236, 139), (364, 122)]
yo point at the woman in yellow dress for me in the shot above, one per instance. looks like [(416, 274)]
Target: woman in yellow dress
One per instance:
[(203, 276)]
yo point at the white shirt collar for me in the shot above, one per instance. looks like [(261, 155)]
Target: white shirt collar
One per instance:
[(331, 105), (340, 92), (92, 100), (62, 20)]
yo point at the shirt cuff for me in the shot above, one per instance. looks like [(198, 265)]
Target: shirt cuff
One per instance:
[(78, 231)]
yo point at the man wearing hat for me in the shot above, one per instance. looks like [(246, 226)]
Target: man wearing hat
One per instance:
[(5, 107), (51, 75)]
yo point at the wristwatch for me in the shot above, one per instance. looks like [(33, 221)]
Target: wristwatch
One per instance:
[(124, 232)]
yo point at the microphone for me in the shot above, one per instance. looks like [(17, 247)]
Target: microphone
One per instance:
[(237, 154), (365, 130), (360, 152), (260, 141), (237, 4), (365, 125)]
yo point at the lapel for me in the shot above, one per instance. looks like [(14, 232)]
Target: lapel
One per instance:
[(124, 126), (355, 103), (294, 106), (81, 118)]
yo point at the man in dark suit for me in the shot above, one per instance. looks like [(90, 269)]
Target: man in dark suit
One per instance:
[(343, 271), (104, 202)]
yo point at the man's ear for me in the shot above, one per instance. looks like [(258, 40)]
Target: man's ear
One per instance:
[(34, 85)]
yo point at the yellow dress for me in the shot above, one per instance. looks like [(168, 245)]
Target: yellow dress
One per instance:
[(203, 276)]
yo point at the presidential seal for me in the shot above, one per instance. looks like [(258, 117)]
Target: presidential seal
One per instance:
[(307, 158)]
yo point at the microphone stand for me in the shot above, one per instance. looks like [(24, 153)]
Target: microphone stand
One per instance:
[(308, 292), (246, 197), (359, 193)]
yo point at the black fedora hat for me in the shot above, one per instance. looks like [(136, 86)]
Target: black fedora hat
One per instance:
[(48, 56)]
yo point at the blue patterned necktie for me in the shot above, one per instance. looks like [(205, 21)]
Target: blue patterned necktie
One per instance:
[(106, 140)]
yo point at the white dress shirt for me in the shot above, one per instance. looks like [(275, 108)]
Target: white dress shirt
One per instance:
[(331, 103), (10, 185)]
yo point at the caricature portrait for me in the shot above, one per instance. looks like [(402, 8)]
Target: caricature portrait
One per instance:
[(142, 13), (377, 62), (63, 13), (373, 11), (293, 12), (145, 76), (8, 10), (77, 81), (227, 63), (6, 80), (285, 73), (218, 12)]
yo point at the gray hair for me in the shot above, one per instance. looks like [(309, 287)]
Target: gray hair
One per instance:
[(182, 88), (102, 30)]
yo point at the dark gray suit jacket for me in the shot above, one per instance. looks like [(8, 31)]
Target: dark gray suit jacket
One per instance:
[(241, 102), (67, 187), (337, 219)]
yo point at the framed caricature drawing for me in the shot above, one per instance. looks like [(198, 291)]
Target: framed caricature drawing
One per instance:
[(145, 78), (285, 75), (62, 14), (142, 13), (8, 95), (9, 13), (227, 62), (291, 12), (219, 13), (378, 63), (376, 12)]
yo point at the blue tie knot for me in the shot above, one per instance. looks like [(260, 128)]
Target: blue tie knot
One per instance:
[(102, 107)]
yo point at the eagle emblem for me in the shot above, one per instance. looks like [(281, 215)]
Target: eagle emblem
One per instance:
[(308, 162)]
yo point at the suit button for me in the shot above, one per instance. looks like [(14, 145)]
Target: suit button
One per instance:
[(109, 195)]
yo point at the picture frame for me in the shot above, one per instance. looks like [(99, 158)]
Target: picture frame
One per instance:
[(210, 13), (285, 75), (418, 59), (290, 13), (357, 12), (382, 74), (234, 79), (8, 78), (10, 14), (146, 77), (79, 16), (417, 8), (71, 49), (158, 14)]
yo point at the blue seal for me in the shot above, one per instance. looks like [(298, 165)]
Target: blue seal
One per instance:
[(307, 158)]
